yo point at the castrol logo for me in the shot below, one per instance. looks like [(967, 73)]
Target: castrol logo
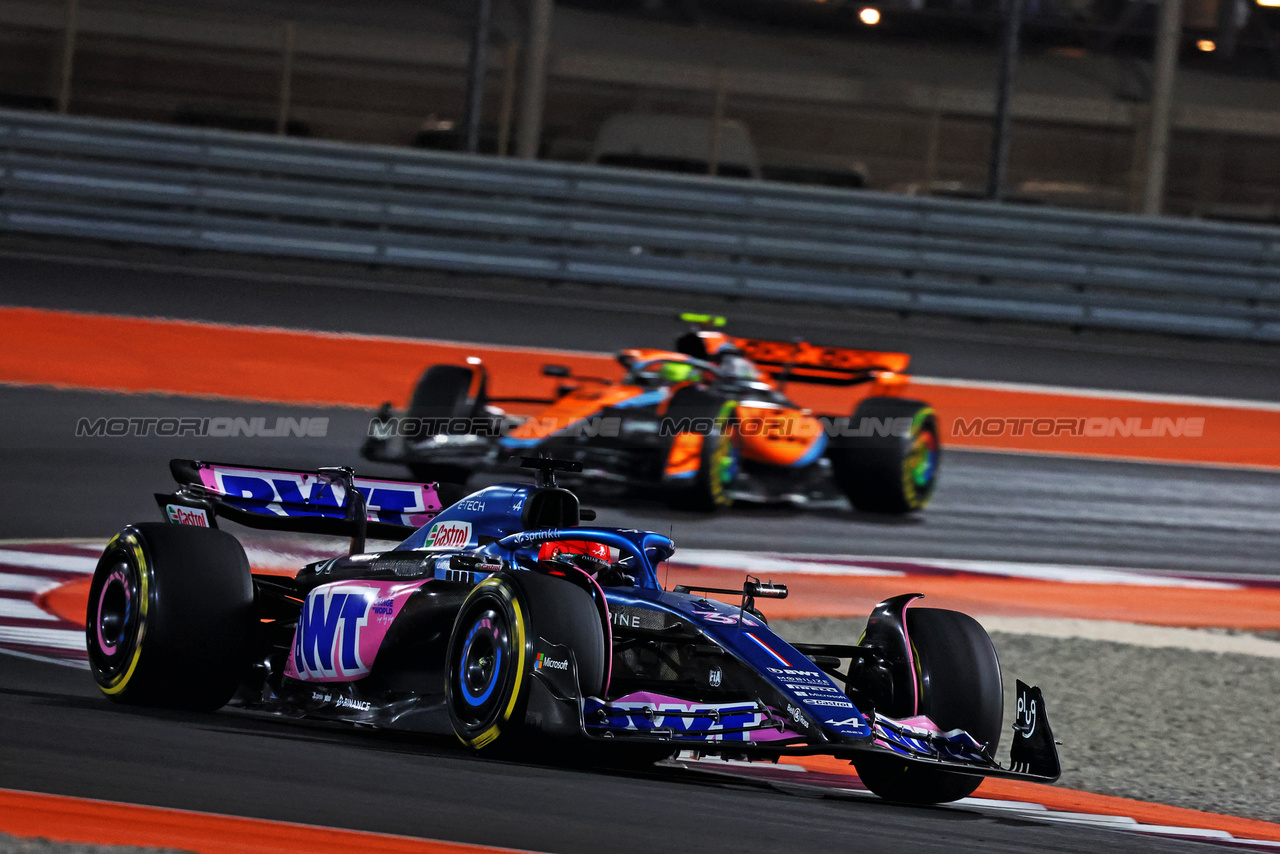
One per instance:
[(449, 535), (187, 515)]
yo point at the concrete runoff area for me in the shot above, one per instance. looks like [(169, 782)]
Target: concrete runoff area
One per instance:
[(1174, 725)]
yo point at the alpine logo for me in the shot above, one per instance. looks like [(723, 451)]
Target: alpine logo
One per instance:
[(187, 515), (449, 535), (550, 663)]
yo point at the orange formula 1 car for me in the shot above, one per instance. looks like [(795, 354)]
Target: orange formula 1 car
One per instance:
[(704, 425)]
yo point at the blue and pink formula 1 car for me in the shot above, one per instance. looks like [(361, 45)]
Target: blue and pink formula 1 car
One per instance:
[(503, 619)]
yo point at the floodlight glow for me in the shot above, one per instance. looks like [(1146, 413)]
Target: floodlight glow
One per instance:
[(871, 17)]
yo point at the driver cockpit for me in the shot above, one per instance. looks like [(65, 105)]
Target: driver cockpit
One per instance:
[(595, 559)]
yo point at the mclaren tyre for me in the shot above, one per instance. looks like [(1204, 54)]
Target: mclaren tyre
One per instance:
[(895, 469), (702, 463), (959, 686), (523, 647), (171, 619)]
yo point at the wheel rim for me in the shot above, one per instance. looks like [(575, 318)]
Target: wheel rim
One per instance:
[(114, 620), (922, 460), (725, 462), (482, 667)]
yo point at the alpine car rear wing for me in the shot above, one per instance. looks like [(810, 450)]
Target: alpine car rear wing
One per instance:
[(330, 501), (800, 361)]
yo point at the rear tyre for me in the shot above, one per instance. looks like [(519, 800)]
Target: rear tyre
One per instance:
[(491, 657), (442, 393), (708, 490), (171, 617), (960, 687), (894, 473)]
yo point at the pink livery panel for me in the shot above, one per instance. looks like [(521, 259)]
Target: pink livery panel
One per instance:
[(342, 628)]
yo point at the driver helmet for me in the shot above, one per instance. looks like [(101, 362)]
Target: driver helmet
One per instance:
[(678, 372), (734, 364), (591, 558)]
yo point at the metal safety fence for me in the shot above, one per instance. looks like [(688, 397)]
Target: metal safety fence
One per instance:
[(200, 189)]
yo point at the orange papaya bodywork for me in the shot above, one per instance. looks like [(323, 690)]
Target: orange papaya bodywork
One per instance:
[(578, 405), (778, 435)]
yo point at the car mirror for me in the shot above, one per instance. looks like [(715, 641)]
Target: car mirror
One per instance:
[(555, 371)]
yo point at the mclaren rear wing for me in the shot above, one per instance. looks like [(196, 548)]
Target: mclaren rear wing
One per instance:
[(799, 361), (326, 501)]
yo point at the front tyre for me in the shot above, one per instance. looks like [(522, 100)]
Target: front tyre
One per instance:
[(895, 469), (701, 467), (959, 687), (493, 653), (487, 664), (717, 467), (171, 617)]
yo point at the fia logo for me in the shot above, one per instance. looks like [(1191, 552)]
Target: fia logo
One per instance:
[(714, 677)]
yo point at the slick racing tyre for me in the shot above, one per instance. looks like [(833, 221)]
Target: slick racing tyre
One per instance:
[(171, 617), (893, 473), (960, 687), (717, 467), (443, 393), (707, 489), (508, 628)]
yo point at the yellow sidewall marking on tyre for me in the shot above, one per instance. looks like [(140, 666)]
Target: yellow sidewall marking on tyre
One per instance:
[(515, 691), (120, 682), (491, 734)]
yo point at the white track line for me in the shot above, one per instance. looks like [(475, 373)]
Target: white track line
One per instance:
[(851, 565), (42, 560), (48, 638), (21, 609), (1025, 809), (764, 562), (26, 583)]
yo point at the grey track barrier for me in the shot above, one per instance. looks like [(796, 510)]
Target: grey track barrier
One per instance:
[(214, 190)]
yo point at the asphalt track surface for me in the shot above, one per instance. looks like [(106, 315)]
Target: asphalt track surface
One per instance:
[(988, 506), (60, 737)]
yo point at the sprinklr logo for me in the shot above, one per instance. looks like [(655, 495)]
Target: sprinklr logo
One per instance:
[(449, 534), (550, 663)]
